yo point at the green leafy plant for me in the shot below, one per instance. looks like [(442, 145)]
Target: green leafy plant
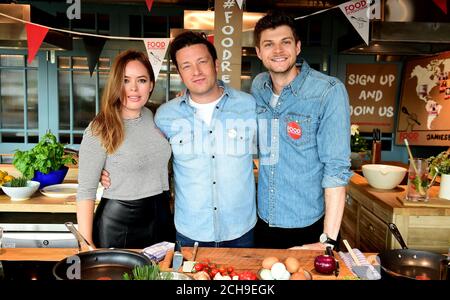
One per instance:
[(357, 143), (440, 163), (147, 272), (19, 182), (48, 155)]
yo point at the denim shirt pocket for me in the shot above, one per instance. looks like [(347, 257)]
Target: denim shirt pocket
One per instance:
[(183, 146), (297, 129), (238, 144)]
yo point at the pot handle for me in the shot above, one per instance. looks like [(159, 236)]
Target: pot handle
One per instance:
[(394, 230), (80, 238)]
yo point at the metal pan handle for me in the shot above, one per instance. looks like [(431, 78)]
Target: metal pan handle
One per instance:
[(80, 238), (394, 230)]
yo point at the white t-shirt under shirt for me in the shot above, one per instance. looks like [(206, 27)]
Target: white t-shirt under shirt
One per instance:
[(204, 111), (274, 100)]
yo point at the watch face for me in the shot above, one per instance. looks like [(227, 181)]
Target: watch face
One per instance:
[(323, 238)]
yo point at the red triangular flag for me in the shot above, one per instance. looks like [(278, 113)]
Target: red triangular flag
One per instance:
[(210, 38), (149, 4), (35, 36), (442, 4)]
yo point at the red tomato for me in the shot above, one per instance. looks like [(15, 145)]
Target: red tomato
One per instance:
[(422, 277), (198, 267), (212, 266), (230, 270), (213, 272), (223, 271), (232, 274), (247, 275)]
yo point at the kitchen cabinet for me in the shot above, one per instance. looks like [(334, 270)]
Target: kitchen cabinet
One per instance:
[(368, 210)]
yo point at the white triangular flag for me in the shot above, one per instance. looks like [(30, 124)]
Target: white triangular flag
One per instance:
[(239, 3), (375, 10), (156, 50), (357, 12)]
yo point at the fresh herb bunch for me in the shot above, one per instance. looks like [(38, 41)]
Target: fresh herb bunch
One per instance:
[(48, 155), (440, 163), (19, 182), (147, 272), (357, 143)]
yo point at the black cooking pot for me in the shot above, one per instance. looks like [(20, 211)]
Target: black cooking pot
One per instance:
[(98, 264), (412, 264)]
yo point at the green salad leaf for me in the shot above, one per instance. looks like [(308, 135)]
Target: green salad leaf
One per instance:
[(147, 272)]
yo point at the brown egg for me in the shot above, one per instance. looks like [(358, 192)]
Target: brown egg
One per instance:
[(292, 264), (268, 262), (298, 276)]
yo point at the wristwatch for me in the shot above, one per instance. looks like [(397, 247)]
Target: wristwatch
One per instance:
[(325, 239)]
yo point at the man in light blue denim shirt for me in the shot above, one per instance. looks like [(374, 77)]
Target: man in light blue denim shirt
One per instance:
[(303, 139), (211, 129)]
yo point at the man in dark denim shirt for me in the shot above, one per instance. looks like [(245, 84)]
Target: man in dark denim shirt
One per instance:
[(303, 139)]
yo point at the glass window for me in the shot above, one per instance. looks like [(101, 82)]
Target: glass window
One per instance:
[(12, 60), (32, 99), (64, 99), (12, 91), (83, 99)]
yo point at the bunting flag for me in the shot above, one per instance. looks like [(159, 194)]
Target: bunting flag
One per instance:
[(210, 38), (35, 36), (93, 46), (239, 3), (442, 4), (358, 15), (149, 4), (156, 50)]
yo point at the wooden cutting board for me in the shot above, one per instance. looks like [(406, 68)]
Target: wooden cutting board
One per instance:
[(432, 202), (250, 259)]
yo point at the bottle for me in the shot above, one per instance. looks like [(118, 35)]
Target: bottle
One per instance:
[(376, 146)]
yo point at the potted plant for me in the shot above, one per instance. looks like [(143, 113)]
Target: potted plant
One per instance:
[(46, 162), (441, 164), (358, 147)]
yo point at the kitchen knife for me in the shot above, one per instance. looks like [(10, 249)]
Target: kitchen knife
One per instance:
[(177, 260)]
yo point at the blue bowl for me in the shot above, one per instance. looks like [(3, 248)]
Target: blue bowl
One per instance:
[(53, 177)]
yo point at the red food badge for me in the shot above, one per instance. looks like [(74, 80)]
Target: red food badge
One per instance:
[(294, 130)]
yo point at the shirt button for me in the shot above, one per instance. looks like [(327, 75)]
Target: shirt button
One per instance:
[(213, 156), (215, 208), (217, 107), (271, 191), (214, 182), (210, 131)]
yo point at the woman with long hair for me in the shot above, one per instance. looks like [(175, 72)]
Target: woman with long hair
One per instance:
[(134, 211)]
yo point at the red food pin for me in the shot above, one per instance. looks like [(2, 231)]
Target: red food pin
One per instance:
[(294, 130)]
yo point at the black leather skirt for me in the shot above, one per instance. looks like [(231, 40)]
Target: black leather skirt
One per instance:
[(133, 224)]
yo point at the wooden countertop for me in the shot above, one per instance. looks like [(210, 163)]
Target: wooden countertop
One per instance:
[(390, 198), (242, 259)]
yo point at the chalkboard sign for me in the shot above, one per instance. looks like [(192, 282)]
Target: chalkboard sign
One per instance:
[(424, 117), (372, 90)]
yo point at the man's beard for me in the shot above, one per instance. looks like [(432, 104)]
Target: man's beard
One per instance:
[(289, 68)]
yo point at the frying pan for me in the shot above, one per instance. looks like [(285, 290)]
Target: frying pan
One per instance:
[(412, 264), (97, 264)]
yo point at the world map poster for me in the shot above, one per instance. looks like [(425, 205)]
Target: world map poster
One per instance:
[(424, 112)]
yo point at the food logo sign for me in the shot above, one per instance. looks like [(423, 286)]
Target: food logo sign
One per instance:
[(156, 50), (372, 89), (227, 40)]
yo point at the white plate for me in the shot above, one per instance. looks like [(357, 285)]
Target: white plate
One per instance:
[(63, 190)]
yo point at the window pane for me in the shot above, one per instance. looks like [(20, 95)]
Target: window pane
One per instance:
[(32, 93), (103, 77), (84, 99), (11, 60), (103, 22), (135, 26), (34, 63), (159, 92), (63, 62), (176, 85), (64, 99), (104, 63), (79, 62), (8, 137), (11, 90)]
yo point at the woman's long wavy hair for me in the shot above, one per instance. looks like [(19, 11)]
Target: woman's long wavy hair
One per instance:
[(108, 124)]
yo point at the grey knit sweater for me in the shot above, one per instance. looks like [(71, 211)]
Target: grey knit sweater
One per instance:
[(138, 168)]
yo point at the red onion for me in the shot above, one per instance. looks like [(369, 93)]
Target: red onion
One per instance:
[(324, 264)]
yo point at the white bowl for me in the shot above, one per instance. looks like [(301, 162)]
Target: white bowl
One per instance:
[(383, 176), (21, 193)]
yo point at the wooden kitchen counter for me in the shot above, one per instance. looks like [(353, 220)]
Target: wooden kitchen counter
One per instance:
[(242, 259), (424, 225)]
